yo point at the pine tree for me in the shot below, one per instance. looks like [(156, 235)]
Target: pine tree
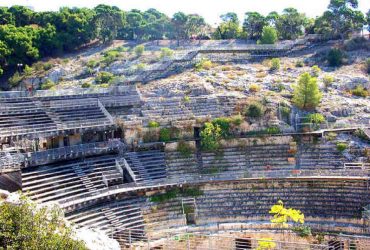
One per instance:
[(307, 94)]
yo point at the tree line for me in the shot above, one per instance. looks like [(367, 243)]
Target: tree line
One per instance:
[(26, 35)]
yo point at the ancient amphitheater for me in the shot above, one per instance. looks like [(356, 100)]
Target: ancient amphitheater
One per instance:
[(97, 153)]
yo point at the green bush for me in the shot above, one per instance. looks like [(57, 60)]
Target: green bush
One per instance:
[(273, 130), (86, 85), (166, 52), (356, 43), (361, 134), (316, 118), (360, 91), (341, 146), (175, 192), (184, 149), (335, 57), (48, 84), (164, 134), (315, 71), (140, 66), (139, 50), (254, 110), (92, 64), (275, 64), (210, 136), (203, 64), (367, 63), (169, 195), (269, 35), (299, 64), (15, 80), (153, 124), (47, 66), (104, 77), (25, 225), (224, 124), (186, 98), (110, 56), (302, 231), (328, 80)]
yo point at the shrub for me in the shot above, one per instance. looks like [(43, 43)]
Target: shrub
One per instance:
[(104, 77), (110, 56), (140, 66), (166, 52), (302, 231), (254, 110), (236, 120), (86, 85), (254, 88), (307, 94), (315, 71), (92, 64), (316, 118), (335, 57), (341, 146), (139, 50), (275, 64), (210, 136), (15, 80), (273, 130), (269, 35), (224, 124), (184, 149), (48, 84), (204, 63), (164, 134), (360, 91), (299, 64), (328, 80), (186, 98), (46, 66), (168, 195), (153, 124)]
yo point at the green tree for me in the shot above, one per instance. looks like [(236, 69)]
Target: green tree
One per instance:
[(179, 21), (26, 226), (229, 27), (108, 20), (343, 17), (210, 136), (290, 24), (134, 22), (6, 17), (269, 35), (253, 25), (22, 15), (307, 94)]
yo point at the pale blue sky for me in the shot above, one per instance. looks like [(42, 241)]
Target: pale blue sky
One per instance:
[(210, 9)]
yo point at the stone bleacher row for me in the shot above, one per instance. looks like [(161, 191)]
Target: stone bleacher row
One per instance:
[(259, 157), (28, 117), (172, 109), (71, 179), (114, 218), (323, 201)]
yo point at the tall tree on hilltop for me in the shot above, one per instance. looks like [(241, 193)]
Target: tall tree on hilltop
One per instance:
[(253, 24), (108, 21)]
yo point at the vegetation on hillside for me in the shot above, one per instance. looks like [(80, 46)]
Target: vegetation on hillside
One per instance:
[(26, 35), (307, 94)]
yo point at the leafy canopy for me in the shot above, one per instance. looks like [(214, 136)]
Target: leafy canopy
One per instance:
[(282, 215), (26, 226)]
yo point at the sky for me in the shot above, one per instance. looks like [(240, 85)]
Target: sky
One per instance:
[(209, 9)]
